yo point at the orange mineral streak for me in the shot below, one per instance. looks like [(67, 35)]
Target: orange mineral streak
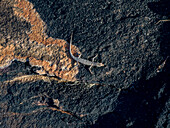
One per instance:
[(37, 34), (61, 66), (25, 10), (6, 55)]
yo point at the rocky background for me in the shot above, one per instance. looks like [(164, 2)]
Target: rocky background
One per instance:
[(131, 90)]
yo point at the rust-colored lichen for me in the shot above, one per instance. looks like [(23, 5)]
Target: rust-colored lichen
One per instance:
[(46, 52)]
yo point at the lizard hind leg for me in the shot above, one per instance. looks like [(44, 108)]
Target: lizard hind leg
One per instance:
[(92, 65), (90, 69), (94, 58), (79, 55)]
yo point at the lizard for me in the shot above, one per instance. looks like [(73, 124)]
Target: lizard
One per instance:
[(84, 61)]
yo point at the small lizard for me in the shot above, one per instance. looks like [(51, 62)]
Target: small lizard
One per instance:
[(84, 61)]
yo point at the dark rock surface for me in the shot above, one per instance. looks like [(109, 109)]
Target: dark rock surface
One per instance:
[(132, 90)]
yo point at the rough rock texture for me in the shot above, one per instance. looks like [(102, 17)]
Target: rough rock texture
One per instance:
[(132, 90), (33, 45)]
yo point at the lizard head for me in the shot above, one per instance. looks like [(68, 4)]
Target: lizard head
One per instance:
[(99, 64)]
